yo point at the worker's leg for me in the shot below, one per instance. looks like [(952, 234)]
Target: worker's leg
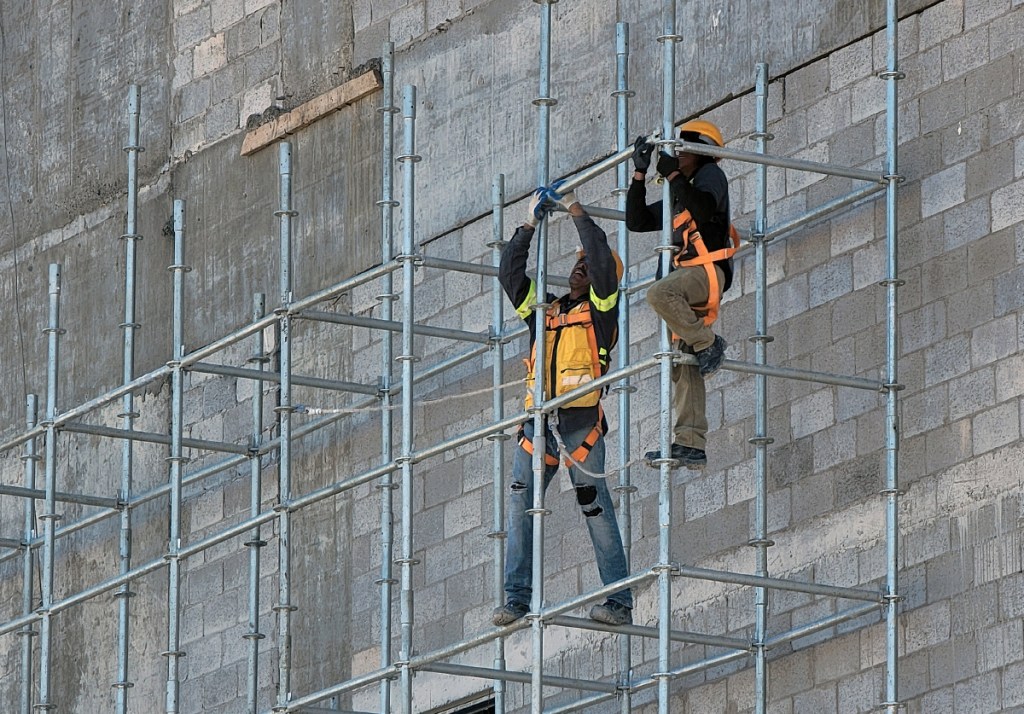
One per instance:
[(519, 543), (599, 514), (689, 401), (672, 298)]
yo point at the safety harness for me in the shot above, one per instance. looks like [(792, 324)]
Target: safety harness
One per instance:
[(573, 359), (685, 227)]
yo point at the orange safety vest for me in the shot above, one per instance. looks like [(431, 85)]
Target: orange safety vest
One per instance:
[(580, 453), (684, 224)]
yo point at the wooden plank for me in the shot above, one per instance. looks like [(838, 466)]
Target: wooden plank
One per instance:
[(309, 112)]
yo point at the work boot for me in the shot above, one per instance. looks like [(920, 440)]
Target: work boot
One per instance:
[(693, 459), (611, 613), (711, 358), (509, 613)]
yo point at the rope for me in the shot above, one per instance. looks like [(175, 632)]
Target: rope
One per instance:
[(553, 423), (306, 409)]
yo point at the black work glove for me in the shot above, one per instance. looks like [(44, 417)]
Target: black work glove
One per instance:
[(642, 154), (667, 163)]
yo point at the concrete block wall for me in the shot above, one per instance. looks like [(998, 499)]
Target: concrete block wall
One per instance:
[(961, 329)]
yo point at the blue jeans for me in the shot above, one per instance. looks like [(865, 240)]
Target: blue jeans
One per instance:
[(595, 501)]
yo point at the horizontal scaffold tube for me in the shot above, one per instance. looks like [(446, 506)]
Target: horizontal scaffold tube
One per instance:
[(85, 500), (723, 576), (333, 385), (394, 326), (464, 670), (154, 438)]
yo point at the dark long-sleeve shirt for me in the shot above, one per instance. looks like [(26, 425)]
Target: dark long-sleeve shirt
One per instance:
[(603, 295), (706, 196)]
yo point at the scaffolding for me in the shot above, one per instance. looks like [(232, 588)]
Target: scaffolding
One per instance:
[(394, 676)]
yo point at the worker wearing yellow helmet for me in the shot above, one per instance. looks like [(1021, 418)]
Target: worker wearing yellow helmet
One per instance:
[(688, 298), (581, 328)]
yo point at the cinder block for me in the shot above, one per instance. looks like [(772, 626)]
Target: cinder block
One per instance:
[(1007, 34), (408, 23), (925, 410), (463, 513), (994, 340), (927, 626), (996, 427), (983, 11), (943, 190), (224, 13), (835, 445), (940, 22), (923, 327), (830, 281), (194, 99), (943, 106), (252, 6), (966, 223), (1012, 680), (978, 694), (704, 496), (261, 64), (990, 170), (848, 64), (971, 393), (1006, 203), (964, 52), (192, 28), (222, 119)]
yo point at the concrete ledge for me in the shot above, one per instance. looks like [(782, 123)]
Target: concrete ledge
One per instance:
[(305, 114)]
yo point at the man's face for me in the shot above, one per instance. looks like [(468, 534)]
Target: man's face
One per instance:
[(579, 278), (687, 163)]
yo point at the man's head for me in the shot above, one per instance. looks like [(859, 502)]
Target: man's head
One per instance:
[(697, 131), (579, 277)]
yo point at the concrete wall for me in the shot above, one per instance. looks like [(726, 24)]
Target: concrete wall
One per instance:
[(206, 67)]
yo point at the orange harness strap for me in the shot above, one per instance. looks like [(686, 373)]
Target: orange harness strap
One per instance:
[(691, 236), (579, 454)]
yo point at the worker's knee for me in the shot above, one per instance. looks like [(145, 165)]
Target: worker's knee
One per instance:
[(517, 487), (586, 496)]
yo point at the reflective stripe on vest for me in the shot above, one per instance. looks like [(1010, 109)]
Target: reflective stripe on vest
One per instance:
[(689, 235)]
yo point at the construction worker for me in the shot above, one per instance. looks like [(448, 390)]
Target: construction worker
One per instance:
[(581, 332), (687, 299)]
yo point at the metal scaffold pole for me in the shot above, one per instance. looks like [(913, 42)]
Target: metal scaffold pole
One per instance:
[(498, 533), (49, 515), (387, 205), (761, 440), (668, 38), (543, 102), (255, 542), (892, 75), (624, 488), (128, 413), (176, 460), (30, 459), (409, 158), (284, 409)]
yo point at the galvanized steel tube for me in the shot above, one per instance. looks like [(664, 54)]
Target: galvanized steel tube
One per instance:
[(761, 440), (176, 459), (892, 282), (625, 489), (284, 607), (387, 486), (27, 633), (668, 38), (128, 415), (49, 516), (543, 102), (498, 532), (252, 634), (408, 259)]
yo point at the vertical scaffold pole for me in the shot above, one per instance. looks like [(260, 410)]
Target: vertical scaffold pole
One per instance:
[(176, 461), (622, 94), (761, 440), (27, 633), (49, 516), (892, 283), (498, 532), (387, 205), (407, 358), (543, 102), (668, 38), (128, 414), (284, 410), (255, 542)]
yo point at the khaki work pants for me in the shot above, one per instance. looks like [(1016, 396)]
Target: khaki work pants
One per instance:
[(672, 297)]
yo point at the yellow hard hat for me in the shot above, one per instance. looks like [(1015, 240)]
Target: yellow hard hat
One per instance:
[(707, 132)]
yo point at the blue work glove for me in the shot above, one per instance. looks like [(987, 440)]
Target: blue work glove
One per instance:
[(642, 151), (538, 207), (562, 198), (667, 164)]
